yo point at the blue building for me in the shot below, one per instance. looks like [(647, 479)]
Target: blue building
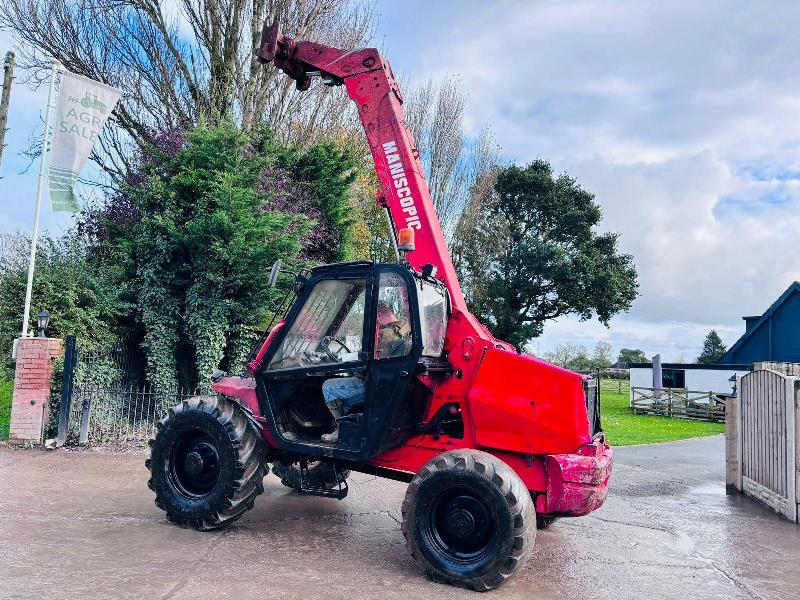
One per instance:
[(773, 336)]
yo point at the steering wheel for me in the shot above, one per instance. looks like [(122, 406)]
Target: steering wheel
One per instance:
[(325, 344)]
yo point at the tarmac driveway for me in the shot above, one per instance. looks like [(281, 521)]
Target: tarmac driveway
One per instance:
[(83, 525)]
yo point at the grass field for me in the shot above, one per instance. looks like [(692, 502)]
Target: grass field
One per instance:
[(623, 428), (6, 388)]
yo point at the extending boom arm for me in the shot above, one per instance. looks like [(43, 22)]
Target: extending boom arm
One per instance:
[(370, 84)]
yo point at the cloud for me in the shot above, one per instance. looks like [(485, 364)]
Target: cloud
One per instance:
[(696, 263), (683, 118)]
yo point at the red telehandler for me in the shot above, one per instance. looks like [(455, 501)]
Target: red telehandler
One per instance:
[(493, 442)]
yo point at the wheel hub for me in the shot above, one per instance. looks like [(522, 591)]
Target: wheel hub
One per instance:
[(460, 523), (195, 464)]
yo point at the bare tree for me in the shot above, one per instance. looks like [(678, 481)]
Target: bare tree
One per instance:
[(453, 163), (602, 355), (186, 61), (567, 355), (472, 247), (14, 251)]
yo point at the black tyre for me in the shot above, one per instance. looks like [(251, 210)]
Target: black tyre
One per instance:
[(207, 462), (468, 520), (320, 474)]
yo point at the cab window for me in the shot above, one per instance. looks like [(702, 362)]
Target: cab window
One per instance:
[(329, 327), (433, 318), (393, 324)]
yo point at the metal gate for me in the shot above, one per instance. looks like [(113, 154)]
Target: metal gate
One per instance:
[(100, 399), (766, 425)]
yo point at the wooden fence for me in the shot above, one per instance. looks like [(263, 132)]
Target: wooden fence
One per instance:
[(672, 402), (617, 386), (762, 438)]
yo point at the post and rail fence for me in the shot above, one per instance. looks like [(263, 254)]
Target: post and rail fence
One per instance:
[(678, 402)]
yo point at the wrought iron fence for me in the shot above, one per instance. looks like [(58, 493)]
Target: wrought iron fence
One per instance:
[(116, 365), (101, 397), (119, 414)]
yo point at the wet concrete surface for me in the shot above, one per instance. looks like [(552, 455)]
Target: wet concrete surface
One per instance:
[(83, 524)]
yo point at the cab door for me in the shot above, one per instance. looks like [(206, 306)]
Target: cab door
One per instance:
[(328, 334), (396, 349)]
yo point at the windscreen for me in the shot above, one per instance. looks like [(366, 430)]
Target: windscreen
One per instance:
[(332, 317)]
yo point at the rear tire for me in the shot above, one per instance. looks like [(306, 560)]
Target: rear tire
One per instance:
[(207, 462), (468, 520), (320, 473)]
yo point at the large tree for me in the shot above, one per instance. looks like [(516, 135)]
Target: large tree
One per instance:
[(713, 349), (529, 252), (188, 61), (326, 174), (632, 355)]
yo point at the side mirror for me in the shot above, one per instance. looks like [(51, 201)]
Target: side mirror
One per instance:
[(273, 274)]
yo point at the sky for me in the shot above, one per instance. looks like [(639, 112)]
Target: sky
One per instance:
[(683, 118)]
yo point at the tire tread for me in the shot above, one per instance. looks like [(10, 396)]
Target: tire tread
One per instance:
[(513, 490), (245, 437)]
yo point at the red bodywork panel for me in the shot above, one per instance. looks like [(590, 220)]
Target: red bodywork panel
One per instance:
[(527, 412), (577, 483), (521, 404)]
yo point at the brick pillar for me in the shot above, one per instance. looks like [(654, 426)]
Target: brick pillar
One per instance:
[(29, 407)]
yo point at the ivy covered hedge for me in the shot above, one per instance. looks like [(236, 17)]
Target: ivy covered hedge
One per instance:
[(177, 259)]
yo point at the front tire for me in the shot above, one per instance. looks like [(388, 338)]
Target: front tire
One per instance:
[(468, 520), (207, 462)]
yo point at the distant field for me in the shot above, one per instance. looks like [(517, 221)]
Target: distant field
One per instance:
[(6, 389), (623, 428)]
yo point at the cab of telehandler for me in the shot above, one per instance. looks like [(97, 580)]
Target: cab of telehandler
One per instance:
[(338, 328)]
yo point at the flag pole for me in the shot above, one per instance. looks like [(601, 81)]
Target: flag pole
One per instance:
[(54, 64)]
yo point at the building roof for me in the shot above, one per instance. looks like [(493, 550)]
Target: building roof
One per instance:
[(792, 289), (717, 367)]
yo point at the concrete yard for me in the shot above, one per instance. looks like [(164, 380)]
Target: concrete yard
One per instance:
[(83, 525)]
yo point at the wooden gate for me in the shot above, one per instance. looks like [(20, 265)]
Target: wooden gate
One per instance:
[(766, 425)]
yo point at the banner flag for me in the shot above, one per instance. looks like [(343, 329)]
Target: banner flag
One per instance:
[(83, 108)]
